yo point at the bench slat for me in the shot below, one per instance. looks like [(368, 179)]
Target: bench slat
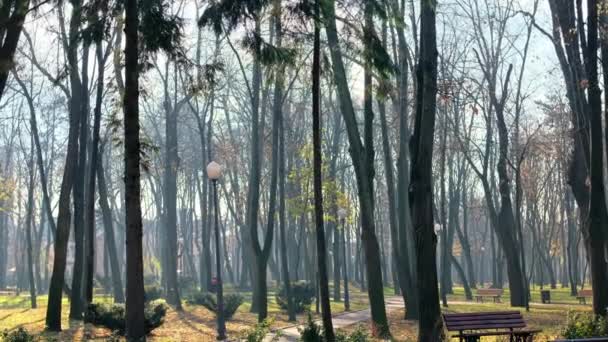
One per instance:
[(481, 314), (585, 293), (484, 320), (464, 318), (488, 321), (485, 326)]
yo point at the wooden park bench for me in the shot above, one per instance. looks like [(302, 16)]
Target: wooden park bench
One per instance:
[(472, 326), (583, 295), (494, 293), (8, 292)]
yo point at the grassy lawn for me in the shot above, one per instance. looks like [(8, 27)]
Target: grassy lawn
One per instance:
[(196, 323), (550, 318)]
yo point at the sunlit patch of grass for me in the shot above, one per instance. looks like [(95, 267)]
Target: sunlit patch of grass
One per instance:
[(559, 295), (194, 323), (550, 318)]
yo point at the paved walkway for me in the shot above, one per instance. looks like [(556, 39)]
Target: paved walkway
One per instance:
[(290, 334)]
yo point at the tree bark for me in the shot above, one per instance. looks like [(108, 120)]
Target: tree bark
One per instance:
[(53, 313), (28, 229), (135, 329), (362, 158), (10, 32), (109, 237), (430, 325), (328, 328), (595, 234)]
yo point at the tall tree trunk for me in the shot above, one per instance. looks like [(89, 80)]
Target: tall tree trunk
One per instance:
[(90, 211), (430, 326), (77, 300), (10, 32), (278, 108), (328, 327), (134, 316), (53, 313), (595, 235), (363, 161), (109, 236), (261, 253), (170, 201), (28, 229)]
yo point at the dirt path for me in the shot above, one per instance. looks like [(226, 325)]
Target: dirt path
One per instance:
[(292, 333)]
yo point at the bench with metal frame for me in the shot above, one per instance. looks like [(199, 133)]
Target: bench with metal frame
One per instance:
[(494, 293), (583, 295), (472, 326)]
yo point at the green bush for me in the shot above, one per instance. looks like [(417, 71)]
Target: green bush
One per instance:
[(583, 325), (311, 331), (359, 335), (113, 316), (302, 294), (187, 284), (152, 292), (109, 316), (259, 331), (18, 335), (231, 302)]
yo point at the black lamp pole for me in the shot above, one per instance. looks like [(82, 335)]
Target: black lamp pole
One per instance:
[(221, 323)]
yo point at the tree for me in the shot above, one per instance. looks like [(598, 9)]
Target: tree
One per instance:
[(570, 42), (430, 326), (64, 217), (12, 18), (278, 112), (328, 328), (135, 329), (362, 157), (29, 226)]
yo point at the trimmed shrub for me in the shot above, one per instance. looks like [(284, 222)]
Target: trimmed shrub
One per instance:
[(302, 294), (152, 292), (187, 284), (113, 316), (583, 325), (155, 313), (259, 331), (18, 335), (359, 335), (311, 331), (231, 302), (109, 316)]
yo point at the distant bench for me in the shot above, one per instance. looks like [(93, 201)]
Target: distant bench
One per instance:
[(583, 295), (495, 294), (8, 292), (472, 326)]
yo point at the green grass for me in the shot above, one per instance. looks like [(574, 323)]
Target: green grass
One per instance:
[(558, 296), (188, 326), (358, 299)]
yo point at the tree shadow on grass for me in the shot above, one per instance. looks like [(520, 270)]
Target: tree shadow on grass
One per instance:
[(12, 314), (187, 318)]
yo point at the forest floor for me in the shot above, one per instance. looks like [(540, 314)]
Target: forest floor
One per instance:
[(196, 323), (550, 318)]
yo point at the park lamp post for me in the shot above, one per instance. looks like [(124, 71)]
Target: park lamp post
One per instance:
[(342, 213), (214, 172)]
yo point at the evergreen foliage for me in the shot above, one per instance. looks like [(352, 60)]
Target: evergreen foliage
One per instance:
[(302, 294), (231, 302), (113, 316)]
